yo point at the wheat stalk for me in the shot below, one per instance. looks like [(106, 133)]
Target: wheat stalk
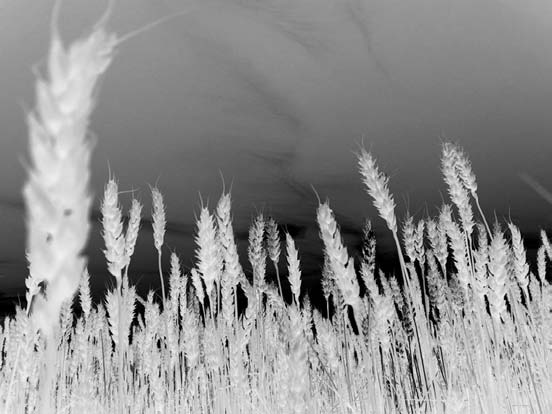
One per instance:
[(298, 374)]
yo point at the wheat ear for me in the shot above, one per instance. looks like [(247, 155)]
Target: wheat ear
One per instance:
[(232, 267), (210, 261), (84, 294), (159, 222), (293, 269), (57, 194), (520, 266), (498, 268), (273, 244), (133, 229), (256, 251), (376, 185), (468, 179), (342, 266), (113, 233), (450, 160)]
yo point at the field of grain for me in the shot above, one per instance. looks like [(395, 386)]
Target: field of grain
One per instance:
[(465, 327)]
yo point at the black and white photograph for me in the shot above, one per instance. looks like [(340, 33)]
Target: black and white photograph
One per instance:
[(275, 206)]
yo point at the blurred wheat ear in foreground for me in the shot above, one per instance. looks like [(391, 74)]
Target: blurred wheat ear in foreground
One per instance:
[(57, 195)]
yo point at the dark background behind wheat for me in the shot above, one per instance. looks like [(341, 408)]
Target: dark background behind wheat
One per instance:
[(277, 95)]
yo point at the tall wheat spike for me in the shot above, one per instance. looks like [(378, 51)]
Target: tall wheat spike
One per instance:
[(57, 194)]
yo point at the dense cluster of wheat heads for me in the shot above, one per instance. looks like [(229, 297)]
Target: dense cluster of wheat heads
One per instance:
[(465, 327)]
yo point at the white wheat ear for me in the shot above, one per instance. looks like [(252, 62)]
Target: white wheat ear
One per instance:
[(273, 245), (376, 185), (175, 281), (520, 266), (113, 234), (465, 172), (341, 264), (159, 223), (546, 243), (84, 294), (458, 193), (256, 251), (133, 229), (293, 269), (409, 238), (208, 252), (232, 267), (498, 268), (198, 286), (57, 194)]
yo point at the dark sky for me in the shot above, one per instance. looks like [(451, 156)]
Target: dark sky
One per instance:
[(277, 95)]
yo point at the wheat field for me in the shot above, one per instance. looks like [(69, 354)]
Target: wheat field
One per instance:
[(464, 327)]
